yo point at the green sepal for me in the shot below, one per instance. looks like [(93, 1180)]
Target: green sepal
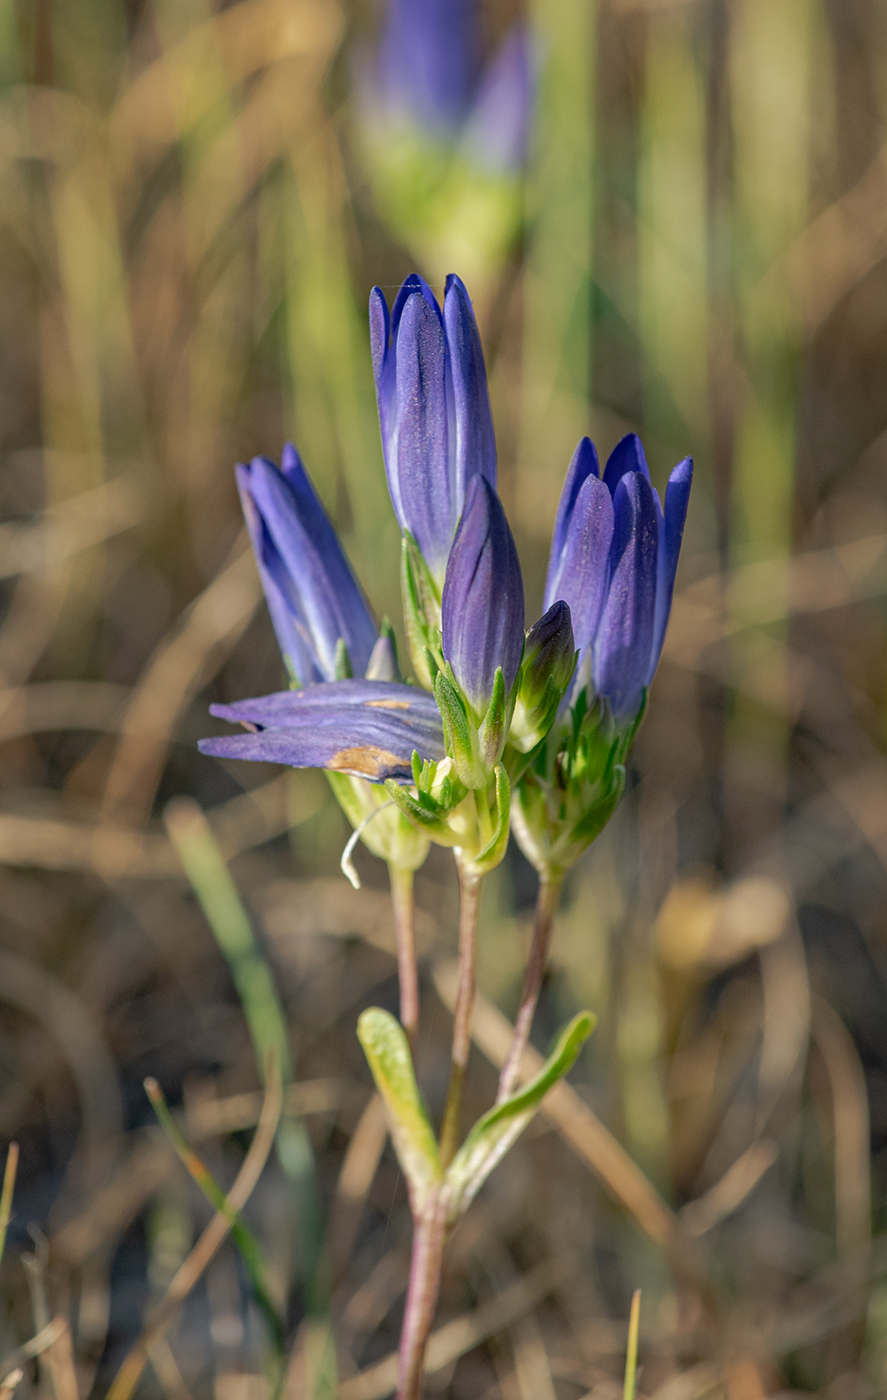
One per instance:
[(492, 853), (593, 822), (492, 1135), (494, 727), (388, 1055), (430, 819), (457, 729), (342, 662), (421, 610)]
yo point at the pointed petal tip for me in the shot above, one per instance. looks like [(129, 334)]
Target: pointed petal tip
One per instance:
[(683, 472)]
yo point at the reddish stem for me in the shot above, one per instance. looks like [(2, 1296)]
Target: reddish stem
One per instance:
[(469, 886), (546, 908)]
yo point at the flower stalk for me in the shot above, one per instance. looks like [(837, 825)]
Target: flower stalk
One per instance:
[(401, 880), (547, 903), (469, 906)]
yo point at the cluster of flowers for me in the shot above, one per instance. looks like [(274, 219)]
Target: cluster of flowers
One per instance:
[(505, 729)]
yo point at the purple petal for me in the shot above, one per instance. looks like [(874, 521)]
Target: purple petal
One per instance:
[(421, 474), (370, 743), (383, 367), (584, 567), (482, 608), (627, 456), (369, 728), (284, 707), (312, 582), (411, 284), (280, 592), (625, 634), (677, 497), (498, 131), (584, 464), (475, 442)]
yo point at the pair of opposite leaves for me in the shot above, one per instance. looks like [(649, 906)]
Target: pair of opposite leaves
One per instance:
[(452, 1190)]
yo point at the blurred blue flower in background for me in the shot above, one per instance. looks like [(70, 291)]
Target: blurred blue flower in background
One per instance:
[(445, 135), (428, 74)]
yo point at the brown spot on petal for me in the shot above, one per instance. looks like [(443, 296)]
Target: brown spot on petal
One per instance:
[(389, 704), (369, 761)]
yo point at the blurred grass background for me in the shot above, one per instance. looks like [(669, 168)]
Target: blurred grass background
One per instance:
[(188, 234)]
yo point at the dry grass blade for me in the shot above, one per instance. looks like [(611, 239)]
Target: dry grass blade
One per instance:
[(727, 1195), (110, 1210), (355, 1179), (853, 1195), (215, 619), (70, 526), (114, 852), (71, 1023), (38, 1344), (213, 1236), (8, 1385), (211, 1117), (60, 1363), (31, 709)]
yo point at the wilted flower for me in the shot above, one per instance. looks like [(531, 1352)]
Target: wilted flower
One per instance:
[(614, 556), (321, 619), (434, 410), (368, 729)]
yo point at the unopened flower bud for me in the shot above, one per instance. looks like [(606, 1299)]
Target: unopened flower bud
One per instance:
[(549, 660)]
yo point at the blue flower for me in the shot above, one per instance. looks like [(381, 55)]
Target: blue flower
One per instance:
[(428, 74), (434, 410), (368, 729), (613, 560), (482, 609), (320, 616)]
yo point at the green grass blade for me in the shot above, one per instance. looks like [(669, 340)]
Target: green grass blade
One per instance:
[(630, 1388), (220, 901), (6, 1193), (243, 1237)]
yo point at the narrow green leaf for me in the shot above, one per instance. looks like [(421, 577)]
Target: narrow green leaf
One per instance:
[(630, 1388), (492, 1135), (6, 1194), (243, 1237), (388, 1054)]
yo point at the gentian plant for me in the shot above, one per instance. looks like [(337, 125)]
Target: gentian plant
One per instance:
[(504, 729)]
